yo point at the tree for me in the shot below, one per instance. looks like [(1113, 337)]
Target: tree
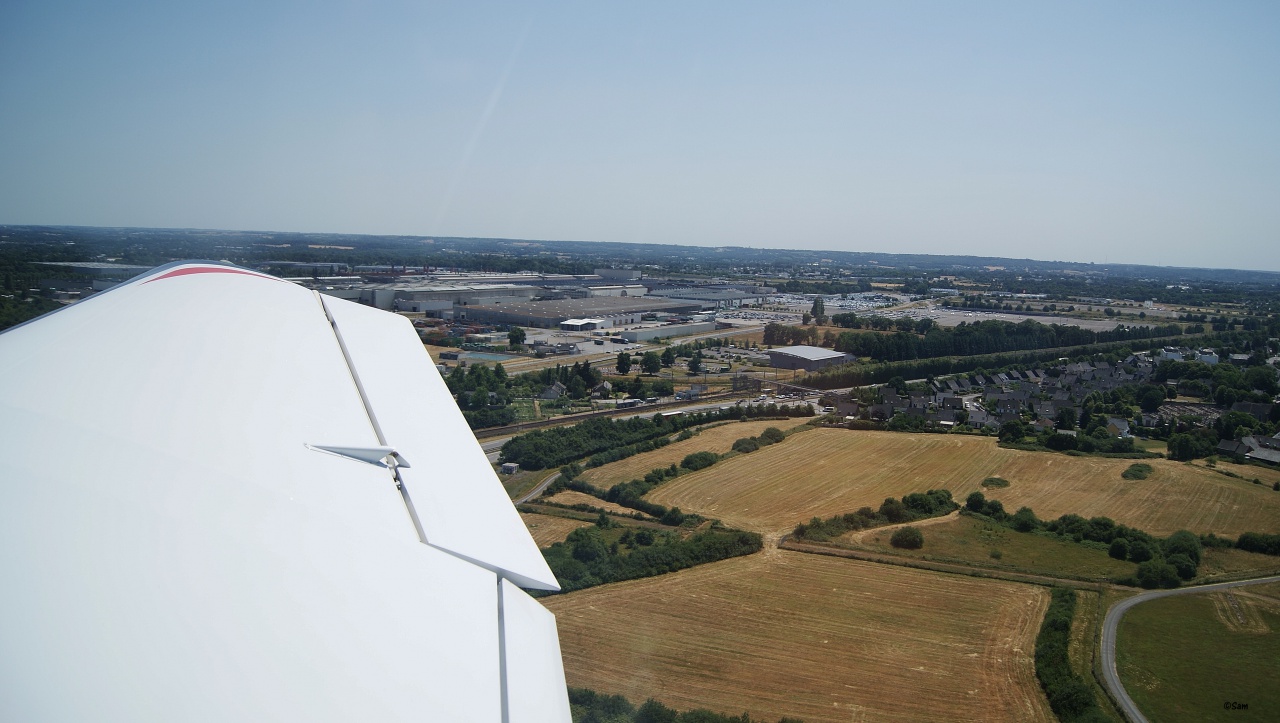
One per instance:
[(975, 501), (668, 357), (1157, 573), (651, 362), (1024, 520), (1183, 564), (654, 712), (1119, 548), (1262, 378), (1013, 431), (624, 362), (516, 336), (699, 460), (1139, 551), (894, 511), (1183, 543), (695, 363), (907, 538), (772, 435), (1151, 399)]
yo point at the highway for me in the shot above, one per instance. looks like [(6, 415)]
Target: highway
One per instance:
[(1110, 677)]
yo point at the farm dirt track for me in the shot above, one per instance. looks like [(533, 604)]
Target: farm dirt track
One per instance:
[(819, 638), (547, 529), (830, 471), (717, 439)]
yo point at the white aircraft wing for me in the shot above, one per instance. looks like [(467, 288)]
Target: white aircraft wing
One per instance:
[(225, 497)]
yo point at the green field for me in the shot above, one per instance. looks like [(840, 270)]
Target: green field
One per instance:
[(1233, 563), (971, 541), (523, 481), (1188, 657)]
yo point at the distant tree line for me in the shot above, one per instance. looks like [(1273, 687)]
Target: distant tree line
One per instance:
[(544, 448), (915, 506), (860, 374), (829, 288), (22, 308), (985, 337), (589, 706)]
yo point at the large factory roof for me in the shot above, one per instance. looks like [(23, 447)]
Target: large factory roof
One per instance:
[(595, 306), (808, 353)]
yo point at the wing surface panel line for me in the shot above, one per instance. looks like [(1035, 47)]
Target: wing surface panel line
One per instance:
[(502, 656), (373, 419)]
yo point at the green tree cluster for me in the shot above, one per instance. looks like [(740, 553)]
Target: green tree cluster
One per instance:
[(915, 506), (585, 559), (985, 337), (771, 435), (590, 707), (1069, 695)]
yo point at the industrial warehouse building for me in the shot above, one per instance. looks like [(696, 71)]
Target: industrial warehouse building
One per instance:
[(809, 358), (606, 311), (668, 331)]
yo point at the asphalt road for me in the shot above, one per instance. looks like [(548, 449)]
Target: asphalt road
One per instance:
[(536, 491), (1112, 621)]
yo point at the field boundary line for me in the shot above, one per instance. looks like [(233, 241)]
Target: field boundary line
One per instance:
[(981, 572)]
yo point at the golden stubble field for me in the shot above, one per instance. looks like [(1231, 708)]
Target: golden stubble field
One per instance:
[(820, 638), (570, 497), (548, 529), (830, 471), (716, 439)]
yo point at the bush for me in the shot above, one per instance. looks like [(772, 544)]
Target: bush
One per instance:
[(1119, 548), (1069, 695), (907, 538), (699, 460), (996, 482), (746, 445), (1258, 542), (771, 435), (1024, 520), (1157, 573), (975, 501), (1183, 564), (1184, 543), (1139, 551), (894, 511), (1137, 470)]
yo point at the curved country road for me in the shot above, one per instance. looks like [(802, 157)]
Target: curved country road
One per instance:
[(1117, 611), (544, 484)]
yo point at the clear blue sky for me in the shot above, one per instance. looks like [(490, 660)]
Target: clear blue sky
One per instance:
[(1143, 132)]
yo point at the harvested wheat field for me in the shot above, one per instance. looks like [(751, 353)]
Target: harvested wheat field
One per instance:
[(716, 439), (819, 638), (548, 529), (831, 471), (570, 497)]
